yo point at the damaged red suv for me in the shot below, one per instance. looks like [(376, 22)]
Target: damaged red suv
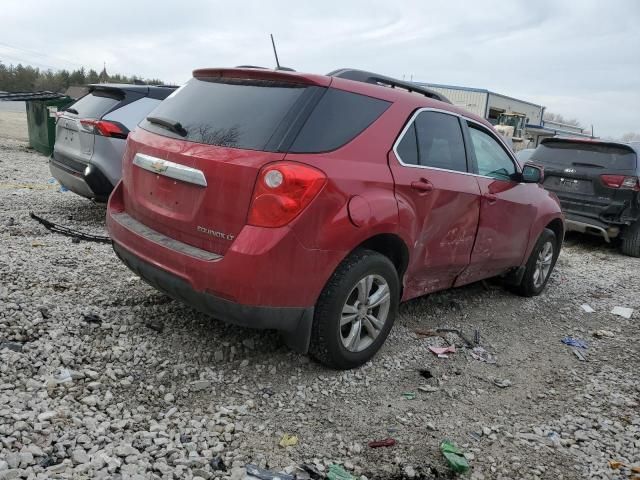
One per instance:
[(314, 204)]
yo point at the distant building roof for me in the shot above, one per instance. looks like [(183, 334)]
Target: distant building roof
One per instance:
[(477, 90)]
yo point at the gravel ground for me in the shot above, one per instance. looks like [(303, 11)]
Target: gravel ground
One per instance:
[(103, 377)]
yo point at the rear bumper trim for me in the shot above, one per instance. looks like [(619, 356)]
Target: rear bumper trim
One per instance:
[(135, 226), (294, 322), (584, 227)]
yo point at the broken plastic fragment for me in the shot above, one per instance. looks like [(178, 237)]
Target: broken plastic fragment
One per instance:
[(587, 308), (409, 395), (455, 457), (387, 442), (257, 472), (622, 311), (441, 352), (574, 342), (336, 472), (288, 440)]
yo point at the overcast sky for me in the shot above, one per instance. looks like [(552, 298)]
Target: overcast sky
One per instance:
[(579, 58)]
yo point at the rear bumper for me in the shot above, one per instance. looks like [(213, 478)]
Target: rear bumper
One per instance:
[(265, 279), (584, 224), (73, 175), (294, 322)]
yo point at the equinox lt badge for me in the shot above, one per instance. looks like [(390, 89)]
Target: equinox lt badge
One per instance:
[(214, 233)]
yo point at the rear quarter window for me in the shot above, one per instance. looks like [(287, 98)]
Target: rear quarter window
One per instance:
[(96, 104), (337, 119)]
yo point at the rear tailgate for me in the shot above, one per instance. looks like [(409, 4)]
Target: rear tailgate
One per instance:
[(190, 170), (574, 171), (74, 142)]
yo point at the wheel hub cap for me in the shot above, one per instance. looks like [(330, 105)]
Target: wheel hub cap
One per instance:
[(365, 313)]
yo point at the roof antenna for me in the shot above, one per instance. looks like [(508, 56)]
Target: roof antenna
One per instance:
[(275, 52)]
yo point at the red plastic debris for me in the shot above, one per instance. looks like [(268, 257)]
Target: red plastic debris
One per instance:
[(387, 442)]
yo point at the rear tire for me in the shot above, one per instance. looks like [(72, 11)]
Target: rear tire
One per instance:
[(540, 265), (631, 240), (355, 311)]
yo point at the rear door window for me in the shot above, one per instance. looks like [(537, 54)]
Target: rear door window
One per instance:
[(440, 142), (227, 112), (337, 119), (95, 104), (492, 160), (582, 154)]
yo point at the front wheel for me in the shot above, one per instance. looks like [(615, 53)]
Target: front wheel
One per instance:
[(540, 265), (355, 311)]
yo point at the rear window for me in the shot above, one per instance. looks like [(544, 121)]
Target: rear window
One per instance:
[(337, 119), (585, 154), (265, 115), (95, 104), (227, 112)]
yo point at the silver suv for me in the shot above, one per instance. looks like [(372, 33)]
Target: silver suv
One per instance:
[(91, 136)]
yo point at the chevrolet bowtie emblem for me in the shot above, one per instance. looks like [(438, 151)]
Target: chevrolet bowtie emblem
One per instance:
[(159, 166)]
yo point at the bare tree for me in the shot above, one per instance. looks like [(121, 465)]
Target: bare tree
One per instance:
[(556, 117)]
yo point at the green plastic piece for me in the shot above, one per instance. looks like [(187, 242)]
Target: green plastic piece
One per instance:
[(409, 395), (455, 457), (336, 472)]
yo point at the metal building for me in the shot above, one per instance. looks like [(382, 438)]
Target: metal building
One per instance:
[(487, 104)]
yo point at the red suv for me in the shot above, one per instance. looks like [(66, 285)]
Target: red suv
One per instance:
[(314, 204)]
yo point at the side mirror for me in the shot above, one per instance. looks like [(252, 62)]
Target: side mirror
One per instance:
[(532, 174)]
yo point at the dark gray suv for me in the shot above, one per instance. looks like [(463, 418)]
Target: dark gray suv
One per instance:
[(598, 184), (91, 136)]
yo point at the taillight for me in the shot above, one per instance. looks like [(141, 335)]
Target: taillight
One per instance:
[(105, 128), (621, 181), (282, 191)]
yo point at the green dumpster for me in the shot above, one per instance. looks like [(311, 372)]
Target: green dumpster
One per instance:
[(41, 120)]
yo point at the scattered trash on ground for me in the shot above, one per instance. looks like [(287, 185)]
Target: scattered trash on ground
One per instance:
[(622, 311), (480, 354), (336, 472), (424, 373), (288, 440), (313, 472), (63, 376), (581, 356), (615, 464), (587, 308), (502, 383), (52, 227), (409, 395), (428, 388), (602, 333), (456, 332), (574, 342), (455, 457), (13, 346), (155, 326), (92, 318), (441, 352), (262, 474), (425, 333), (387, 442)]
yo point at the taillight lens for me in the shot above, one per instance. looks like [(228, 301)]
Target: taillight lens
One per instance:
[(282, 191), (105, 128), (620, 181)]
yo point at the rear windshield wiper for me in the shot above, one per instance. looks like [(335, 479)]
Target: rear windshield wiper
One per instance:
[(71, 110), (172, 125)]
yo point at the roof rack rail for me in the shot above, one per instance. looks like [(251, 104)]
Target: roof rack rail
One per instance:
[(376, 79)]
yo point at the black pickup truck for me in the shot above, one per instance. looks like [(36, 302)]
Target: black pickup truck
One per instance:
[(598, 184)]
